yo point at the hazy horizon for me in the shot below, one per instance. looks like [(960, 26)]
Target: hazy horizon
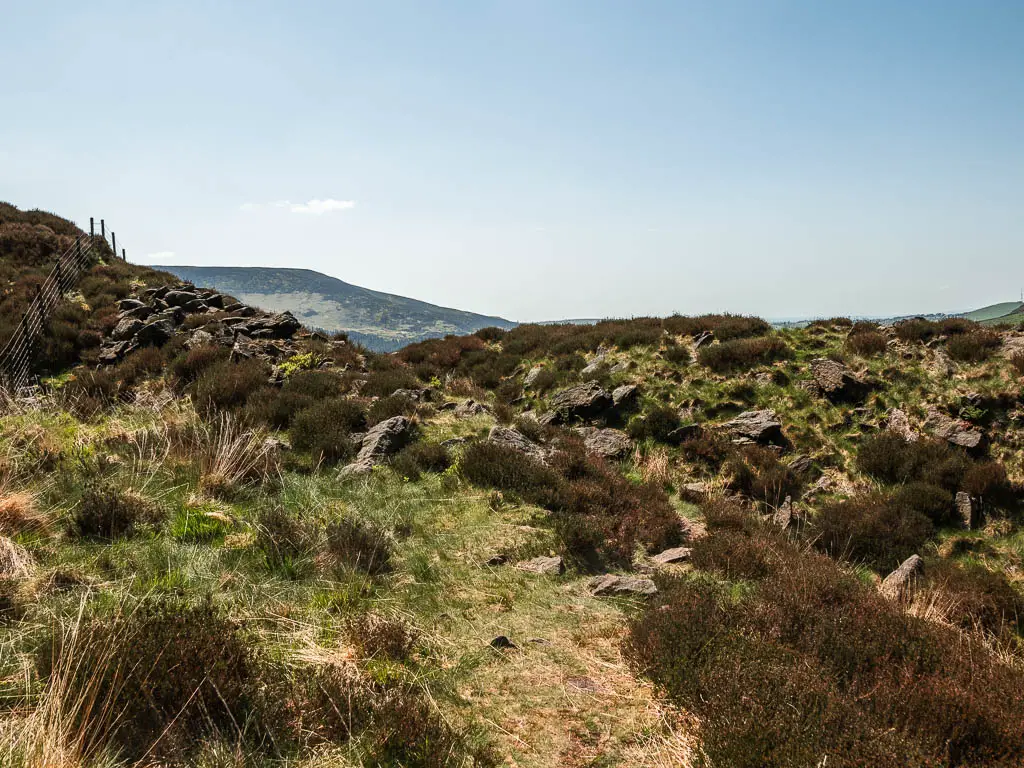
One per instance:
[(538, 161)]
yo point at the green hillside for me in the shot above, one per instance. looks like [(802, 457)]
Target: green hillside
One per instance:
[(993, 311), (381, 321)]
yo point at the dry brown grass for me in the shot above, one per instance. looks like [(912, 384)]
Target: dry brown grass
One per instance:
[(19, 514)]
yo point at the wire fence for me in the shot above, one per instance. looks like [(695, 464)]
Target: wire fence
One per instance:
[(17, 356)]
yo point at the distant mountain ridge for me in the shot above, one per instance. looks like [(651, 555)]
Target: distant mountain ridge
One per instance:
[(380, 321)]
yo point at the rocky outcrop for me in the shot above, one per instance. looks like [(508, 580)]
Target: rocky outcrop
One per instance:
[(900, 584), (512, 438), (470, 408), (955, 431), (611, 584), (761, 427), (673, 555), (579, 403), (608, 443), (626, 396), (898, 422), (383, 440), (969, 510), (837, 383), (550, 566), (531, 376)]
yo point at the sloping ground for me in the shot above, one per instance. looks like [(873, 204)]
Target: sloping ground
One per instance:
[(994, 311), (382, 321)]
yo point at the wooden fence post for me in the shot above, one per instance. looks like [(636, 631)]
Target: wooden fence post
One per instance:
[(124, 256), (92, 227), (103, 229), (113, 243)]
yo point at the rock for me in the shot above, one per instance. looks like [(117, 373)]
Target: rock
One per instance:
[(496, 560), (757, 426), (899, 584), (625, 396), (694, 492), (611, 584), (705, 338), (954, 431), (125, 305), (200, 338), (280, 326), (196, 305), (241, 310), (125, 329), (470, 408), (685, 432), (174, 315), (155, 332), (610, 443), (244, 348), (139, 313), (111, 353), (550, 566), (517, 441), (583, 401), (15, 561), (801, 464), (531, 375), (969, 510), (216, 300), (673, 555), (502, 643), (594, 366), (783, 516), (179, 298), (454, 441), (898, 422), (941, 365), (837, 383), (382, 441), (416, 395)]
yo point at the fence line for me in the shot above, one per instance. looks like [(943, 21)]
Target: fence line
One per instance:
[(17, 355)]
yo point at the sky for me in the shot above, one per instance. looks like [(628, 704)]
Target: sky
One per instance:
[(541, 160)]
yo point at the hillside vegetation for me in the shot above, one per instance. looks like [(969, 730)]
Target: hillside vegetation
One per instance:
[(664, 541), (379, 321)]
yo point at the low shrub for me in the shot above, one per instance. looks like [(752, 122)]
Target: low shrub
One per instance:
[(381, 637), (491, 465), (743, 354), (725, 327), (871, 528), (933, 502), (888, 457), (106, 512), (637, 336), (325, 428), (1017, 361), (867, 343), (978, 598), (710, 449), (973, 347), (286, 542), (658, 424), (678, 354), (758, 473), (420, 457), (359, 545), (915, 330), (384, 383), (389, 407), (190, 365), (987, 479), (227, 385)]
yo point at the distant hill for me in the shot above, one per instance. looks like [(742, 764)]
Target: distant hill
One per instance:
[(380, 321)]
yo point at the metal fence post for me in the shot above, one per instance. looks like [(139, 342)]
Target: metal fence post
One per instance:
[(103, 229), (92, 227), (124, 256), (113, 243)]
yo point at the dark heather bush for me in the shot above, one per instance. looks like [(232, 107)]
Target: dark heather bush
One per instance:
[(743, 354), (987, 479), (973, 347), (657, 424), (491, 334), (873, 529), (420, 457), (352, 543), (190, 365), (933, 502), (278, 408), (384, 383), (1017, 361), (888, 457), (725, 327), (867, 343), (325, 428), (710, 449), (284, 540), (637, 336), (915, 330), (227, 385), (106, 512), (979, 598), (758, 473), (490, 465), (160, 678), (389, 407), (810, 663), (952, 326)]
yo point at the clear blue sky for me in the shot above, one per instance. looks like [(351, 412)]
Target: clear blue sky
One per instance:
[(541, 159)]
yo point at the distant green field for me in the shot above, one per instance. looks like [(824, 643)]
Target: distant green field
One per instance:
[(994, 311)]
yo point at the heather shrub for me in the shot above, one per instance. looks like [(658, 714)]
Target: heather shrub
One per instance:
[(678, 354), (1017, 361), (190, 365), (725, 327), (159, 678), (106, 512), (490, 334), (285, 542), (915, 330), (227, 385), (867, 343), (490, 465), (325, 428), (973, 347), (758, 473), (987, 479), (359, 545), (888, 457), (952, 326), (657, 424), (637, 336), (977, 597), (708, 448), (389, 407), (743, 354), (871, 528), (420, 457), (383, 383), (933, 502)]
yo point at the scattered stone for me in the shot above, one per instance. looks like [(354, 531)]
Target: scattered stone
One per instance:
[(200, 338), (516, 440), (609, 443), (694, 492), (685, 432), (549, 566), (216, 300), (155, 332), (454, 441), (757, 426), (583, 401), (625, 396), (783, 516), (801, 464), (593, 367), (179, 298), (382, 441), (837, 383), (15, 561), (127, 328), (954, 431), (416, 395), (139, 313), (673, 555), (502, 643), (897, 421), (531, 375), (470, 408), (196, 305), (705, 338), (969, 510), (611, 584), (111, 353), (125, 305), (899, 584), (496, 560)]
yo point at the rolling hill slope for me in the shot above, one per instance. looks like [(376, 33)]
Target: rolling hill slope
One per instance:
[(381, 321), (994, 311)]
